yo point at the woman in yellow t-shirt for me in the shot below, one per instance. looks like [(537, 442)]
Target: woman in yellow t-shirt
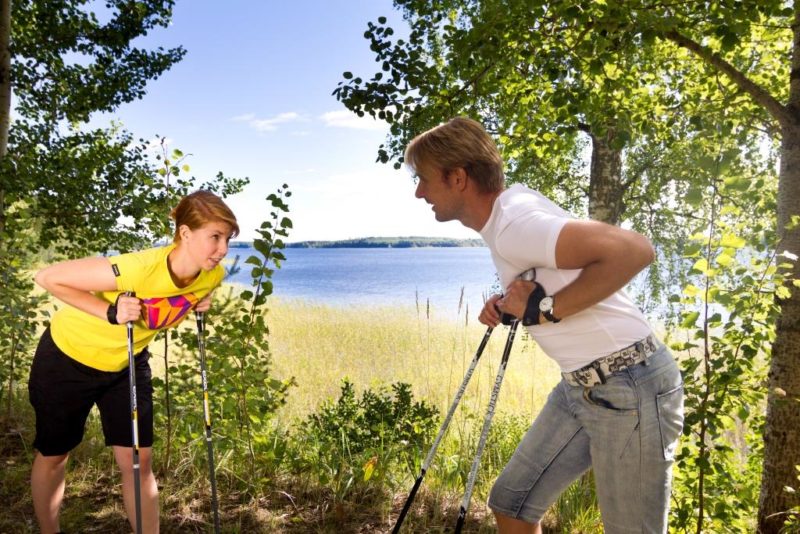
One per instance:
[(82, 358)]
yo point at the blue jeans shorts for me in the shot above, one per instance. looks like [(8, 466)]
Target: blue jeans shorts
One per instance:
[(626, 430)]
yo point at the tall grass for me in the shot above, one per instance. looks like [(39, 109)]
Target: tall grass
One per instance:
[(430, 349)]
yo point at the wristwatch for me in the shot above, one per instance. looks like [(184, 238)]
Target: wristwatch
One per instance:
[(546, 307)]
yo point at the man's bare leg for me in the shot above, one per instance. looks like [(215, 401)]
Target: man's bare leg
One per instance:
[(509, 525)]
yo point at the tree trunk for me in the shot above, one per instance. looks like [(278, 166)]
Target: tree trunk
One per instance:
[(5, 92), (782, 429), (606, 187)]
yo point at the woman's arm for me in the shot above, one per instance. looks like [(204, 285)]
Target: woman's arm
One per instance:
[(74, 281)]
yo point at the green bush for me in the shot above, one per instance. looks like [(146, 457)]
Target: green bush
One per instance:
[(355, 441)]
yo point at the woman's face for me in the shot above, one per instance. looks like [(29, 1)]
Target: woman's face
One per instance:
[(207, 245)]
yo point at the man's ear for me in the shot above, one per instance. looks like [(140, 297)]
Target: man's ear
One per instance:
[(460, 178)]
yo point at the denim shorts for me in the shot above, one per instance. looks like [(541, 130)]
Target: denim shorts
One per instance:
[(626, 430)]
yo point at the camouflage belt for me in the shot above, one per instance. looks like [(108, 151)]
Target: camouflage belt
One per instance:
[(597, 371)]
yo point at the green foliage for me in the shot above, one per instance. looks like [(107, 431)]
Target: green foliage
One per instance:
[(18, 322), (728, 321), (66, 65), (244, 394), (356, 441)]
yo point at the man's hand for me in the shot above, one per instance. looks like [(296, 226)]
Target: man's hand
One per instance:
[(489, 314), (515, 299)]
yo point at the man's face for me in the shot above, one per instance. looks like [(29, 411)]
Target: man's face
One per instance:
[(435, 188)]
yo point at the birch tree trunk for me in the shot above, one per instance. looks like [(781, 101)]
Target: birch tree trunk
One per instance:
[(606, 187), (782, 428), (5, 92)]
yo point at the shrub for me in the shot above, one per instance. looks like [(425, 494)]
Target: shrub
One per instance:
[(355, 441)]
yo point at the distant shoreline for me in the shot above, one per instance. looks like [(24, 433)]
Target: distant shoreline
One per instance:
[(378, 242)]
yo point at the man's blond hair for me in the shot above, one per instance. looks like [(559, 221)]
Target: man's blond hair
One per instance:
[(459, 143)]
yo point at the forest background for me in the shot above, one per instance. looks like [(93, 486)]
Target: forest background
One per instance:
[(691, 114)]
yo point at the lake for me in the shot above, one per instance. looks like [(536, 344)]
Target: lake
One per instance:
[(381, 276)]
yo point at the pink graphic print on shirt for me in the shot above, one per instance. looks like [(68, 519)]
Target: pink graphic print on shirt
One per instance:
[(163, 312)]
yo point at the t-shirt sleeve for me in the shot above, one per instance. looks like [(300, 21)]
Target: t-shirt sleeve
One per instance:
[(530, 239), (129, 270)]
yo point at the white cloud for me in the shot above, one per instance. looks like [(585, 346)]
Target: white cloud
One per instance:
[(347, 119), (268, 125)]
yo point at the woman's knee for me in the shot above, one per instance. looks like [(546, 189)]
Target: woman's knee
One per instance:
[(57, 461), (124, 459)]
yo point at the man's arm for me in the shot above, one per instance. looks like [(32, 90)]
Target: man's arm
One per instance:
[(609, 257)]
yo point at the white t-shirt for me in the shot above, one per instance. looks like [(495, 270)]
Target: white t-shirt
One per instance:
[(521, 233)]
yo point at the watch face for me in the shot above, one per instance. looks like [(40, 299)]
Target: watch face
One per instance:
[(546, 304)]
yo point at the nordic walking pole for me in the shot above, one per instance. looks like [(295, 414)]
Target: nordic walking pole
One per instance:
[(426, 464), (201, 345), (137, 490), (462, 513)]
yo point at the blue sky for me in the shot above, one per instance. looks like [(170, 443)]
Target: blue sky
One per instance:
[(253, 98)]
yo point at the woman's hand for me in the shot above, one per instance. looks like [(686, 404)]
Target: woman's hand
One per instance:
[(205, 303), (129, 308)]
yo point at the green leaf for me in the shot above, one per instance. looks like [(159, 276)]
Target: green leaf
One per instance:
[(701, 266), (694, 196), (689, 319), (731, 241), (724, 260)]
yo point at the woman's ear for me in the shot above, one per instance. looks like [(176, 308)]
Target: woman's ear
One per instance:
[(184, 232)]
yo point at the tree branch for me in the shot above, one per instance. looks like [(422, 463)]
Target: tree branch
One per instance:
[(760, 95)]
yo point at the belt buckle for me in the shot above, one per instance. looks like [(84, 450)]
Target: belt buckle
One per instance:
[(598, 371), (589, 376)]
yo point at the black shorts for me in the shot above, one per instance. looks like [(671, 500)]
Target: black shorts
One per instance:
[(62, 392)]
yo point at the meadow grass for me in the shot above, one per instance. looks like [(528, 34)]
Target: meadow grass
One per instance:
[(430, 349)]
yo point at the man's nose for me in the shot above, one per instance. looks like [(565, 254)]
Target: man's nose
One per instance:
[(418, 191)]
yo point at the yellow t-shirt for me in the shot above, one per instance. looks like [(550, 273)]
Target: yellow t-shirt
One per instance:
[(99, 344)]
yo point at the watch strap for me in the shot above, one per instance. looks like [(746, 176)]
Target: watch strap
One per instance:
[(531, 316), (550, 317)]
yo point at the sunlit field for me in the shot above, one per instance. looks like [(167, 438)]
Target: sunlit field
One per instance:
[(428, 348)]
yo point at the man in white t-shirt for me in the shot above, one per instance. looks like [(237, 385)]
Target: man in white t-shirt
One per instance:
[(619, 407)]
